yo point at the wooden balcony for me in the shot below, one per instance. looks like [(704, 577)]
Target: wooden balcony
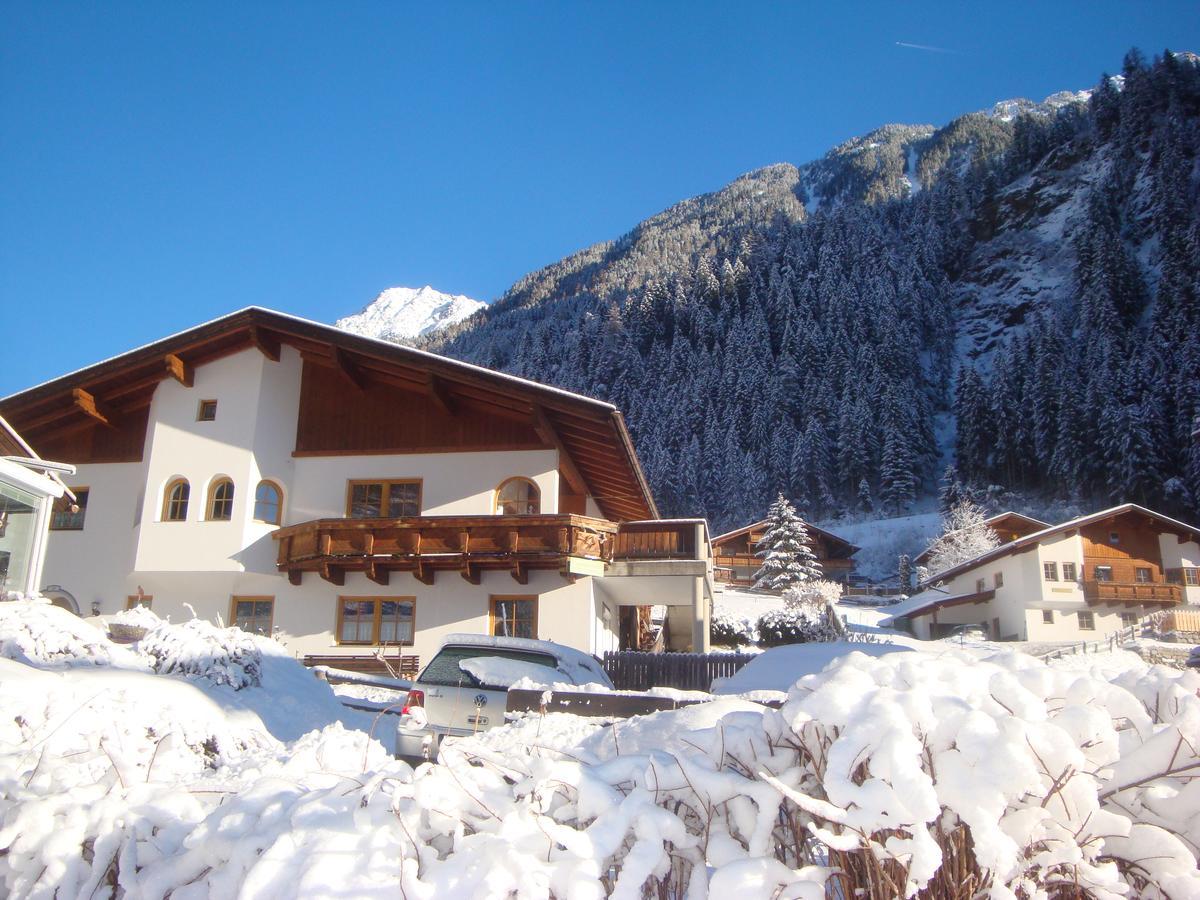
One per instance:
[(656, 540), (426, 545), (1131, 592)]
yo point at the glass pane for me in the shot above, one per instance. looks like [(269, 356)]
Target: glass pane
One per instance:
[(64, 518), (266, 503), (18, 518), (366, 501), (444, 670), (518, 497), (404, 500), (178, 503)]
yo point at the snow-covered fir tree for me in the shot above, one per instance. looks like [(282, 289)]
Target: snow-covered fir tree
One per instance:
[(965, 535), (785, 549)]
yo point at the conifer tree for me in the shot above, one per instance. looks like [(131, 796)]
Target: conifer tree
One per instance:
[(785, 549)]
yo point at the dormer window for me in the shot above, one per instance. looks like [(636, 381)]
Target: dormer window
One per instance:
[(518, 497)]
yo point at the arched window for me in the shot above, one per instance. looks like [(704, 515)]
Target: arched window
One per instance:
[(220, 500), (175, 501), (268, 502), (518, 497)]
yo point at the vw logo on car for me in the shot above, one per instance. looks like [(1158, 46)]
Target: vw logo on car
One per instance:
[(481, 699)]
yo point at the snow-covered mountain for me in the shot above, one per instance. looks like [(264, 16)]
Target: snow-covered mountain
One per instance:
[(403, 314)]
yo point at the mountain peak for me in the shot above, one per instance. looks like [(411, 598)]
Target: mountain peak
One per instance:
[(403, 314)]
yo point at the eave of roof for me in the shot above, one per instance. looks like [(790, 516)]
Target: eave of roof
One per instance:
[(1020, 545), (737, 532)]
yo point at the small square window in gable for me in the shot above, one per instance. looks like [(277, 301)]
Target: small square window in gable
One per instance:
[(207, 411)]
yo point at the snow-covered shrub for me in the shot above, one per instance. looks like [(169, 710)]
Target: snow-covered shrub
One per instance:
[(137, 617), (812, 596), (35, 631), (795, 626), (730, 631), (227, 656)]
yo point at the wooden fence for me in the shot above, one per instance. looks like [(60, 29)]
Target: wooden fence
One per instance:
[(632, 670)]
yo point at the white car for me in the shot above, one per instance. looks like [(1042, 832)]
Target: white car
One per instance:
[(464, 688)]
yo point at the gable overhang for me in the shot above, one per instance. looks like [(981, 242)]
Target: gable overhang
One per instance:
[(595, 448), (850, 549)]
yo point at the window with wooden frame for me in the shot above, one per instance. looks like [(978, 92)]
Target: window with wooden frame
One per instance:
[(1050, 571), (385, 499), (220, 500), (253, 614), (68, 514), (1142, 575), (1068, 571), (1087, 621), (175, 501), (1128, 619), (376, 620), (1104, 573), (268, 503), (206, 411), (980, 585), (135, 600), (518, 497), (998, 580), (514, 617)]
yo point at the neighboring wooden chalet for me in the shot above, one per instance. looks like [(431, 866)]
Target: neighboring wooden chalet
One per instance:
[(28, 490), (736, 558), (1008, 526), (348, 494), (1084, 578)]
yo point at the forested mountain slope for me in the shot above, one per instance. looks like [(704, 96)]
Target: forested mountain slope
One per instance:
[(1032, 270)]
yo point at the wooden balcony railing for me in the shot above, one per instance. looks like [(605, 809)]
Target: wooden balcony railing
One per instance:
[(656, 540), (425, 545), (1131, 592)]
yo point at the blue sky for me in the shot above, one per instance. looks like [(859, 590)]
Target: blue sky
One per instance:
[(162, 164)]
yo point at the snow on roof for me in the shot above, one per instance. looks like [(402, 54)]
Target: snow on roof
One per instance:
[(1031, 540), (990, 520), (808, 525)]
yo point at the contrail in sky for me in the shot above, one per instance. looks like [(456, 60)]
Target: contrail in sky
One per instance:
[(927, 48)]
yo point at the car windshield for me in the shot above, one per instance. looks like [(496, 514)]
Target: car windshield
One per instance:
[(444, 670)]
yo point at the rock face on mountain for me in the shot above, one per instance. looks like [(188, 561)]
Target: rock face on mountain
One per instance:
[(402, 314), (1014, 294)]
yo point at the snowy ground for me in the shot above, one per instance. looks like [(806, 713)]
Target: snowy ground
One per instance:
[(221, 768), (883, 540)]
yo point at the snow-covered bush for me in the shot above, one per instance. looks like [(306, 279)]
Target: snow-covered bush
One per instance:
[(795, 625), (812, 596), (35, 631), (198, 648), (878, 778), (137, 617), (731, 631)]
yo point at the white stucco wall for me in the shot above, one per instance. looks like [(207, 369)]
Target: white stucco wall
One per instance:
[(1176, 555)]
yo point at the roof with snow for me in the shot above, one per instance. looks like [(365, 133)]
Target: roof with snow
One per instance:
[(930, 601), (1008, 526), (1032, 540), (848, 547), (590, 435)]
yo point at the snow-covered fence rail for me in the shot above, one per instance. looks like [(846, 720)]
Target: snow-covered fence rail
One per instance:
[(633, 670), (341, 676), (1126, 635)]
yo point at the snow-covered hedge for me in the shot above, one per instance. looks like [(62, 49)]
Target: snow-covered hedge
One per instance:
[(794, 625), (725, 630), (227, 656), (34, 631), (878, 778)]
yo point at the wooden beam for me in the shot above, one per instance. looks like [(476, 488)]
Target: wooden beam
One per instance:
[(179, 370), (441, 396), (267, 344), (295, 576), (90, 406), (377, 573), (348, 369), (548, 433), (520, 572), (470, 571), (424, 573), (333, 574)]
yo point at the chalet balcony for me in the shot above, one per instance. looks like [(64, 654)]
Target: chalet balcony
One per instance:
[(1131, 592), (469, 545)]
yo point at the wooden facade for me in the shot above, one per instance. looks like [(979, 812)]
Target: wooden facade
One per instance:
[(736, 559), (1122, 561)]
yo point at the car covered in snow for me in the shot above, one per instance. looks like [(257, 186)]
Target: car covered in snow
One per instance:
[(464, 688)]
